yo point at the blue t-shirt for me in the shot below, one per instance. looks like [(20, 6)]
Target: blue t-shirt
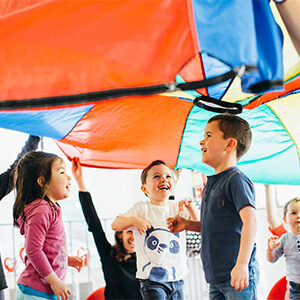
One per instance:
[(223, 197)]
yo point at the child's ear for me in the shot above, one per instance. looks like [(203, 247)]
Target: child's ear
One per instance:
[(232, 143), (144, 190), (41, 181), (284, 219)]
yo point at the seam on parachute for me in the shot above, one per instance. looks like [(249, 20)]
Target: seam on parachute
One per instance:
[(182, 135), (92, 106), (193, 28)]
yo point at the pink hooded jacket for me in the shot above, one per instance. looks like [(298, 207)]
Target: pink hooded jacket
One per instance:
[(45, 245)]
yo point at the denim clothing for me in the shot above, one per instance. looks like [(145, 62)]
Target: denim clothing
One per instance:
[(1, 295), (294, 291), (224, 290), (161, 290)]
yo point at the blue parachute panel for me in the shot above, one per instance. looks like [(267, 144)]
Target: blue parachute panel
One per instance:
[(271, 145), (55, 123)]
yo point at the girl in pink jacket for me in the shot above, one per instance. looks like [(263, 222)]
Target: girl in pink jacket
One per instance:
[(42, 181)]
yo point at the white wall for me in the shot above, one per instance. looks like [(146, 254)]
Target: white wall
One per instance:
[(114, 191)]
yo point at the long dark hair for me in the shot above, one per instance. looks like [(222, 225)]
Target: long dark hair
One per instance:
[(118, 251), (32, 166)]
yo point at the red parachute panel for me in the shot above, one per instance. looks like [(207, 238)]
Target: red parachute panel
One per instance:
[(125, 131)]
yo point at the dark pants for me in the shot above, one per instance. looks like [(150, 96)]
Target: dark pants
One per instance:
[(294, 291)]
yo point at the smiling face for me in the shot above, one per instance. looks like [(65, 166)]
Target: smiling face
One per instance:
[(127, 238), (59, 185), (159, 184), (292, 216), (214, 147)]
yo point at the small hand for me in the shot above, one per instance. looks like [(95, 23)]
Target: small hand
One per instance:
[(176, 224), (184, 203), (61, 291), (76, 168), (239, 277), (273, 242), (75, 262), (142, 225)]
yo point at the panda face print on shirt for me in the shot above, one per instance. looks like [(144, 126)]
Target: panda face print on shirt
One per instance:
[(161, 243), (161, 248)]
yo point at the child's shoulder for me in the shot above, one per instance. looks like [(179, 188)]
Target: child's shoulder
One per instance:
[(287, 236), (237, 177), (140, 205), (37, 205), (173, 203)]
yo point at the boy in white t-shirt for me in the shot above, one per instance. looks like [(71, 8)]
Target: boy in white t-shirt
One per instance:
[(161, 255)]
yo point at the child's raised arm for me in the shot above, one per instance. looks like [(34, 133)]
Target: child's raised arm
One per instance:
[(123, 222), (194, 213), (77, 173), (272, 217)]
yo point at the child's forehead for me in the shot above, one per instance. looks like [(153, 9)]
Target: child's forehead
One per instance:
[(58, 163), (212, 126), (159, 169), (294, 205)]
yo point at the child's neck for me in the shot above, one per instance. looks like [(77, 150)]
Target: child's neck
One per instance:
[(159, 202), (51, 200), (225, 165)]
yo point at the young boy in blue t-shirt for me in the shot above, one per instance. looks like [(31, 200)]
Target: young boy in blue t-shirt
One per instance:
[(228, 220)]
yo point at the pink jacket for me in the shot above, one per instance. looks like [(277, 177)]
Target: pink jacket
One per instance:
[(45, 245)]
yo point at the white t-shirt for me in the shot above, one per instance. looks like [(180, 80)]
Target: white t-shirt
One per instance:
[(161, 254)]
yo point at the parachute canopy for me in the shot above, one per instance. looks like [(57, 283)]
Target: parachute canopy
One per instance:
[(103, 79)]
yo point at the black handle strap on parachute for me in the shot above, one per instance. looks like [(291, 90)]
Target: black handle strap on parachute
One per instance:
[(218, 106), (93, 97)]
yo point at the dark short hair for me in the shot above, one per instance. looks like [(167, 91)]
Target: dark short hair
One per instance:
[(296, 199), (146, 170), (235, 127)]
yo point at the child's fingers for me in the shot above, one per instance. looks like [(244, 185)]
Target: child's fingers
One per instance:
[(180, 205), (169, 221)]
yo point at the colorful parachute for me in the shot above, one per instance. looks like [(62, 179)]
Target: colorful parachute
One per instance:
[(94, 75)]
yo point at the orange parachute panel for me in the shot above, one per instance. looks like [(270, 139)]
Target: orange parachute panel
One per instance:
[(54, 47), (119, 134)]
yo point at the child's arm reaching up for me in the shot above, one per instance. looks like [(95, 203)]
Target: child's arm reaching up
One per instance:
[(192, 210), (77, 173), (122, 223)]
